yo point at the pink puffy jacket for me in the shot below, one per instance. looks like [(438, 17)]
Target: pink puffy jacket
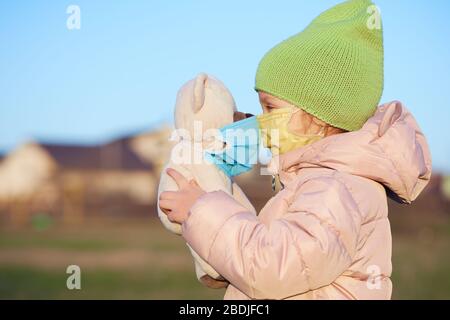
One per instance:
[(326, 235)]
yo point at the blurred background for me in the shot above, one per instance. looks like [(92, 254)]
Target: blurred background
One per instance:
[(87, 90)]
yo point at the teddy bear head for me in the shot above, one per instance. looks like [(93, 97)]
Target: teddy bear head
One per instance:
[(205, 103)]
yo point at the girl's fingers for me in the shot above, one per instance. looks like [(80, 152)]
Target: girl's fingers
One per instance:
[(193, 183), (166, 211), (168, 195), (166, 205), (180, 180), (172, 216)]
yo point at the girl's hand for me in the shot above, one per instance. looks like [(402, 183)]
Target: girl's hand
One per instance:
[(177, 204)]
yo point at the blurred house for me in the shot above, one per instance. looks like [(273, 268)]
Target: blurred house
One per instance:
[(446, 187), (24, 172), (154, 146), (72, 181)]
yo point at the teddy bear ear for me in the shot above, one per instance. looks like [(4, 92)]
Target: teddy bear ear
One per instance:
[(199, 91)]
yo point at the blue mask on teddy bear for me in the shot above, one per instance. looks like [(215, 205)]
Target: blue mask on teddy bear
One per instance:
[(241, 149)]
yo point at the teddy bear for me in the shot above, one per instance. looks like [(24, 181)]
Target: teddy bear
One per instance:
[(202, 104)]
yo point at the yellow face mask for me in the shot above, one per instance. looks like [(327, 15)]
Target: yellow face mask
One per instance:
[(276, 135)]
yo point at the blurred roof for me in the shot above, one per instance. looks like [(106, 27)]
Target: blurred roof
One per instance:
[(116, 155)]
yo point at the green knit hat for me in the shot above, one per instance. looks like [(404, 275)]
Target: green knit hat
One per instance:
[(333, 69)]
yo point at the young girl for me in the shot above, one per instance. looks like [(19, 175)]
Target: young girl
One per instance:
[(326, 234)]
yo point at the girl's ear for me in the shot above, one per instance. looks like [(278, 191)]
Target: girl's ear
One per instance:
[(199, 92)]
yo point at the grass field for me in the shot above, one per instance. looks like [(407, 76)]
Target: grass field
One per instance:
[(118, 260), (140, 260)]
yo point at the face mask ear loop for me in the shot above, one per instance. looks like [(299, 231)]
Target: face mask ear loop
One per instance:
[(294, 110), (323, 129), (321, 132)]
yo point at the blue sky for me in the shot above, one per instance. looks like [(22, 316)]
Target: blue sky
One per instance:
[(120, 72)]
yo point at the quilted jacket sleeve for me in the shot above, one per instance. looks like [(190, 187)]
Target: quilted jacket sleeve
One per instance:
[(309, 247)]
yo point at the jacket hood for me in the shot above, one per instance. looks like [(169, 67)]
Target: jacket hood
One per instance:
[(390, 148)]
